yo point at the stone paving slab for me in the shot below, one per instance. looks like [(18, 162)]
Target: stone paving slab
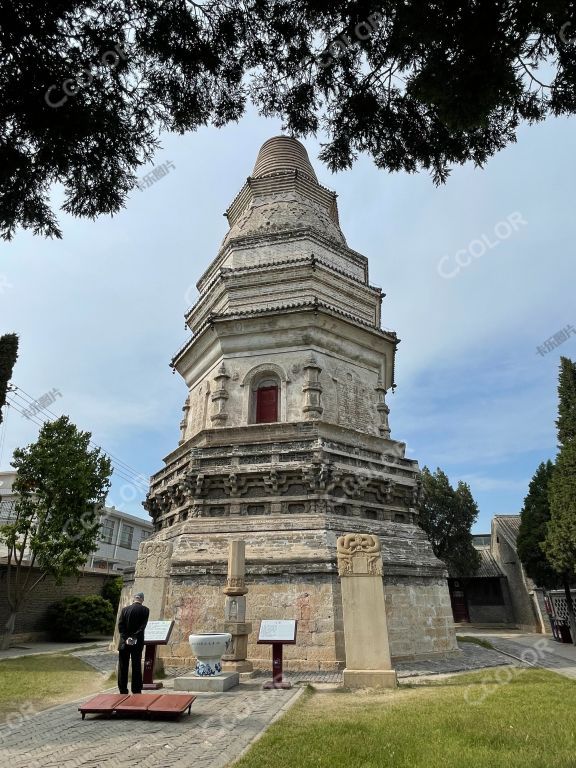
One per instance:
[(540, 651), (219, 728)]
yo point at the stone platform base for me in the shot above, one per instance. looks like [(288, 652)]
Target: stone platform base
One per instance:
[(237, 666), (369, 678), (216, 684)]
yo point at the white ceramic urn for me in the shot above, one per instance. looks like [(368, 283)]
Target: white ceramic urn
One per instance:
[(209, 647)]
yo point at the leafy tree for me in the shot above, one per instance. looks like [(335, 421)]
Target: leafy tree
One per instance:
[(112, 591), (447, 516), (534, 519), (8, 357), (61, 485), (86, 86), (76, 617), (560, 544)]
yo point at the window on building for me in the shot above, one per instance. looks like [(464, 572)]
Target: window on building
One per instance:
[(7, 511), (144, 534), (126, 536), (107, 531)]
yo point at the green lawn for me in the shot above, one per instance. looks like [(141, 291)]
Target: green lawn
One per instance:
[(465, 721), (31, 683)]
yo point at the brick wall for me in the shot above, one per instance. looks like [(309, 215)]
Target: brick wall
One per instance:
[(31, 621)]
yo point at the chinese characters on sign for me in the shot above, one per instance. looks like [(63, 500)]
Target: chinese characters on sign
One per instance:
[(554, 341), (155, 175), (43, 402)]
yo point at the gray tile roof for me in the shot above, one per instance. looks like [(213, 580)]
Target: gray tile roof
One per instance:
[(508, 525), (489, 568)]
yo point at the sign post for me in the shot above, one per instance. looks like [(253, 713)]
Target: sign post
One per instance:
[(156, 633), (277, 632)]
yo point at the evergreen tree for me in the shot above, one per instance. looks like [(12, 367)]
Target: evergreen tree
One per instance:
[(8, 357), (447, 516), (534, 519), (87, 86), (560, 544), (61, 485)]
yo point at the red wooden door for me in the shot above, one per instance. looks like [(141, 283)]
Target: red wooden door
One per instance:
[(459, 604), (266, 404)]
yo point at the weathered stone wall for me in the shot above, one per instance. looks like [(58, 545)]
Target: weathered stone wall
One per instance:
[(291, 573), (420, 621), (31, 621), (197, 604), (348, 398), (523, 609)]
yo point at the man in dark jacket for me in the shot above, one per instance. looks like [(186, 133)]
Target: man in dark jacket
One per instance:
[(131, 625)]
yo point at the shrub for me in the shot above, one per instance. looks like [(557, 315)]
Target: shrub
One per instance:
[(75, 617), (111, 591)]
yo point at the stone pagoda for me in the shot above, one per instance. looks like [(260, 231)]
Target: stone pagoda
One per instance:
[(285, 441)]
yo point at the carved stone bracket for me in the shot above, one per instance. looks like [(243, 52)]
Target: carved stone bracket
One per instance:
[(359, 555)]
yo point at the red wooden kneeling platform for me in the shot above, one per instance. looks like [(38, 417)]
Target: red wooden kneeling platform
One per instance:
[(161, 704)]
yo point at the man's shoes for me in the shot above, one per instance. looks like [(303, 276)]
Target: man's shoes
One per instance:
[(124, 692), (136, 692)]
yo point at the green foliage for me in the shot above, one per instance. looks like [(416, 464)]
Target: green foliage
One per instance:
[(534, 516), (8, 357), (76, 617), (415, 85), (560, 546), (447, 516), (112, 590), (61, 485)]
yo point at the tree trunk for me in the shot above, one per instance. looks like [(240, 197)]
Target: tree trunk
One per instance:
[(8, 631), (570, 605)]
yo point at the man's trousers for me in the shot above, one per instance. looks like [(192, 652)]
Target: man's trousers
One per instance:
[(131, 653)]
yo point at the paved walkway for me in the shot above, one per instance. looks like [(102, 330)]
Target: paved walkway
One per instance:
[(33, 649), (220, 727), (540, 650)]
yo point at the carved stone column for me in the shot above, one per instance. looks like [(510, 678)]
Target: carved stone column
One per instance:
[(235, 611), (368, 663), (312, 390), (383, 410), (219, 397), (184, 422)]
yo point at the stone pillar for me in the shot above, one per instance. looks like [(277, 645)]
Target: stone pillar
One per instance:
[(151, 576), (184, 422), (312, 390), (219, 397), (368, 663), (383, 410), (235, 611)]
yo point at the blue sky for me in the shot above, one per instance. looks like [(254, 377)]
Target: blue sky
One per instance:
[(100, 313)]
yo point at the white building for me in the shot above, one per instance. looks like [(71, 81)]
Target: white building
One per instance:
[(120, 533), (120, 538)]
